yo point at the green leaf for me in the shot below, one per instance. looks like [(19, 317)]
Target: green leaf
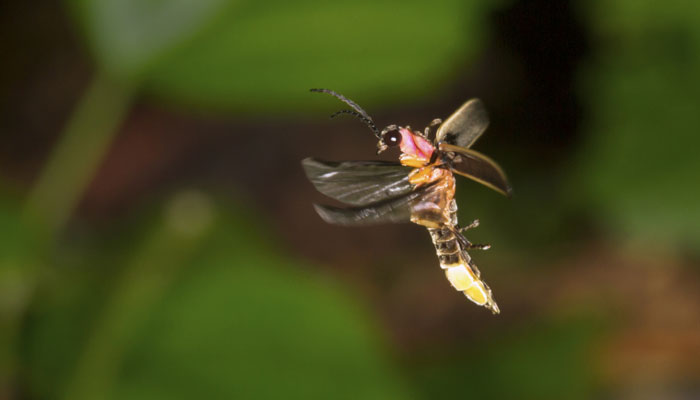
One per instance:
[(21, 255), (127, 36), (235, 320), (263, 57), (544, 359), (266, 56)]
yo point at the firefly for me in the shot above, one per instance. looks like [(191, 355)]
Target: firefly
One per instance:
[(419, 188)]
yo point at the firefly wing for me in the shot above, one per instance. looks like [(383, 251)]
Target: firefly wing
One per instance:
[(358, 183), (476, 166), (465, 125), (392, 210)]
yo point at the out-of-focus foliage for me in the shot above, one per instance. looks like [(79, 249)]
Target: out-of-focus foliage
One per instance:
[(16, 246), (639, 164), (501, 367), (529, 220), (169, 314), (19, 259), (258, 56), (232, 318), (197, 299), (128, 37)]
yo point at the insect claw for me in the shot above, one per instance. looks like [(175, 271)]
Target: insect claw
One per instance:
[(479, 246)]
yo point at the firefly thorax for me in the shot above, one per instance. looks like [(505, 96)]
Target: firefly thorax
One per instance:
[(416, 151)]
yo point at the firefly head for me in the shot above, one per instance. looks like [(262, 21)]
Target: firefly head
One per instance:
[(389, 137), (416, 151)]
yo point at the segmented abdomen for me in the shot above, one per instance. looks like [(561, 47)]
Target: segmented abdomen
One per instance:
[(459, 267)]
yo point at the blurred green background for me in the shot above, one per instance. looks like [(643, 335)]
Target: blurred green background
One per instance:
[(158, 239)]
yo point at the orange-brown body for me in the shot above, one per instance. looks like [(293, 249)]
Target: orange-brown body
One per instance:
[(437, 211), (434, 210)]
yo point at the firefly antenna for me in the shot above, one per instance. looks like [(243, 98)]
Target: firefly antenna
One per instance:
[(368, 122), (359, 112)]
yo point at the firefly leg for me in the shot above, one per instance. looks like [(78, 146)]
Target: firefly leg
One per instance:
[(472, 225), (475, 246), (466, 244), (435, 122)]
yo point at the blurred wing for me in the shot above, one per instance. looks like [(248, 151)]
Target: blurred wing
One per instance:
[(477, 166), (397, 209), (465, 125), (358, 183)]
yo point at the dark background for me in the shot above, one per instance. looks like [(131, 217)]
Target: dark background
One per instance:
[(158, 239)]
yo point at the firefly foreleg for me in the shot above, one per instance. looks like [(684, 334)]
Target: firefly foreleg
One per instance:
[(435, 122)]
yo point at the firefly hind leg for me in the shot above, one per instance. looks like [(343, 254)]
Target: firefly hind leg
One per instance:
[(466, 244), (472, 225), (469, 245)]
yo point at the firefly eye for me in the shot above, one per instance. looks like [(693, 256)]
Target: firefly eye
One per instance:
[(392, 138)]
